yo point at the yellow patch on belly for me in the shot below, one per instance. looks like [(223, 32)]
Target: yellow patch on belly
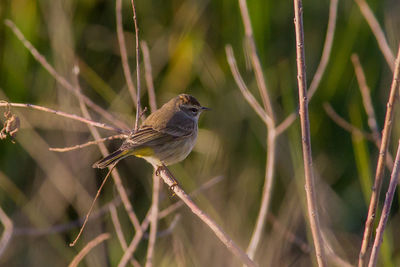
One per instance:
[(144, 152)]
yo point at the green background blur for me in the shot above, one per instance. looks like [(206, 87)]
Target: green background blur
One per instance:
[(40, 188)]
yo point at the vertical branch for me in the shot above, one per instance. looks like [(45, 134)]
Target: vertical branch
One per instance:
[(380, 165), (123, 51), (255, 60), (378, 32), (386, 210), (305, 133), (149, 76), (153, 220), (372, 123), (138, 108), (326, 51)]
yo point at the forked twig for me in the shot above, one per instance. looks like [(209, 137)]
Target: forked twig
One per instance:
[(306, 139), (89, 246), (386, 210), (120, 234), (380, 165)]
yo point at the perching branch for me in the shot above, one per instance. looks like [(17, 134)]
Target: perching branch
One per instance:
[(225, 239)]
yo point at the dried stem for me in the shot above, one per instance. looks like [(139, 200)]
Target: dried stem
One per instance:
[(7, 232), (123, 51), (66, 115), (243, 88), (116, 177), (380, 165), (306, 140), (378, 32), (365, 93), (346, 125), (226, 240), (326, 52), (71, 148), (135, 241), (89, 246), (91, 207), (120, 234), (61, 80), (255, 60), (138, 108), (153, 220), (386, 210), (369, 109), (149, 76), (165, 212)]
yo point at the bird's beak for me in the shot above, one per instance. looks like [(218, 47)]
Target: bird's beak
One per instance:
[(205, 109)]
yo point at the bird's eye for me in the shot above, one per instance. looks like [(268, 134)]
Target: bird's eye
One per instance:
[(194, 110)]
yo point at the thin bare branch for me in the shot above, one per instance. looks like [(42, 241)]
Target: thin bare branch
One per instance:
[(116, 177), (149, 76), (166, 175), (135, 241), (7, 232), (61, 80), (386, 133), (89, 246), (123, 51), (91, 207), (71, 148), (306, 139), (243, 88), (326, 52), (138, 107), (386, 210), (153, 220), (346, 125), (365, 93), (165, 212), (120, 234), (369, 109), (378, 32), (255, 60), (66, 115)]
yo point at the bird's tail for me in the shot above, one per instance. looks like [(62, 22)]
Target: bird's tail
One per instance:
[(111, 158)]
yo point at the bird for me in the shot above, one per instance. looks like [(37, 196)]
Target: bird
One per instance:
[(167, 136)]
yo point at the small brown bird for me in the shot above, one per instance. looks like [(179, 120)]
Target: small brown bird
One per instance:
[(166, 137)]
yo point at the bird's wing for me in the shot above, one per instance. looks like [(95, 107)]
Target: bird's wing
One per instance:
[(148, 136)]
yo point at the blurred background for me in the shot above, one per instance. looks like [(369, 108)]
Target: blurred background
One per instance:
[(44, 191)]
